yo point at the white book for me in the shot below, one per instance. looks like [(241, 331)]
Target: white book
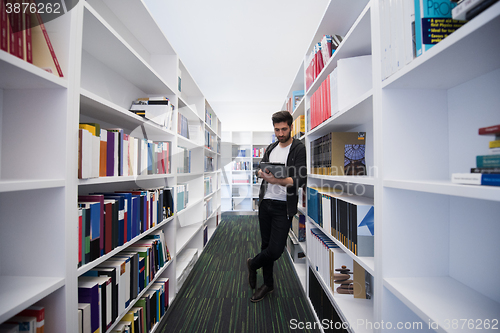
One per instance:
[(121, 275), (467, 178), (85, 307), (327, 214), (125, 150), (408, 29), (96, 155), (85, 145), (461, 10), (25, 323)]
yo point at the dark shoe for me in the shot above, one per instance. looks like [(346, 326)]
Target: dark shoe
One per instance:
[(261, 293), (252, 275)]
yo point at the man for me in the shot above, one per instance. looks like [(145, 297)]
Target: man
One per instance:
[(277, 201)]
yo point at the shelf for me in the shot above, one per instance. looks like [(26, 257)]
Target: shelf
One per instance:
[(94, 106), (186, 143), (447, 188), (358, 113), (121, 179), (188, 111), (129, 64), (441, 299), (477, 40), (356, 41), (350, 309), (365, 180), (132, 302), (185, 234), (28, 184), (92, 264), (19, 74), (19, 292), (368, 263)]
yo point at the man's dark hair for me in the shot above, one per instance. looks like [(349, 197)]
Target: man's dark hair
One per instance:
[(281, 116)]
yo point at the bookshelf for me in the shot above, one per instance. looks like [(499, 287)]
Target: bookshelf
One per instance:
[(240, 193), (110, 55), (421, 126)]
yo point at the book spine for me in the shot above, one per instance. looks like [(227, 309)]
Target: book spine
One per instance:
[(485, 170), (488, 161), (4, 31), (489, 130), (49, 44)]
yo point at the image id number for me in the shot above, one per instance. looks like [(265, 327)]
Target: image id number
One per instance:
[(32, 8)]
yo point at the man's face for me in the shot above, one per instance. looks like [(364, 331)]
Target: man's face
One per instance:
[(282, 131)]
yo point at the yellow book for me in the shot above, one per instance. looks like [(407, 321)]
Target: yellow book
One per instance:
[(92, 129), (495, 144)]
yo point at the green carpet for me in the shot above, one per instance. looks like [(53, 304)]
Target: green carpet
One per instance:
[(216, 295)]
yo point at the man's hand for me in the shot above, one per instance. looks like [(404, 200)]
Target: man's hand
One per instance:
[(269, 177)]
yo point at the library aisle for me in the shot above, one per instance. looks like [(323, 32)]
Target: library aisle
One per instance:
[(216, 295)]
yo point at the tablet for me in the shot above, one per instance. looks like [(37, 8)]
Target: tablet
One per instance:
[(279, 170)]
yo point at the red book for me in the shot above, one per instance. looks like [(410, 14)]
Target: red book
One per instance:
[(28, 47), (4, 31), (489, 130), (39, 313)]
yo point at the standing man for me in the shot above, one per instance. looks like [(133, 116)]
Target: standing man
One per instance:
[(277, 201)]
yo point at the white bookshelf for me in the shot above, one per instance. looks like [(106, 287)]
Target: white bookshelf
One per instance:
[(421, 124), (110, 55), (246, 192)]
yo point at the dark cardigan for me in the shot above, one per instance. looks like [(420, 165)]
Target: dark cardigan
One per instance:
[(297, 169)]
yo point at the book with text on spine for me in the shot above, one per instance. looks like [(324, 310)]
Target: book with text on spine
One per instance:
[(492, 179)]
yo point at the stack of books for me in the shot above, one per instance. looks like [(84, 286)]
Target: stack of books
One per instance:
[(487, 170), (156, 109)]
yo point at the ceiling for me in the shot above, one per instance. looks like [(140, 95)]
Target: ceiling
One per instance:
[(240, 52)]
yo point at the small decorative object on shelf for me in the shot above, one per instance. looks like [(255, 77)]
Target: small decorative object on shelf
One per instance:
[(344, 279)]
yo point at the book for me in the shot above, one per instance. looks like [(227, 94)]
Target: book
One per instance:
[(88, 293), (433, 23), (488, 161), (492, 179), (39, 313), (105, 298), (485, 170), (473, 12), (459, 12), (495, 130), (84, 308), (44, 55)]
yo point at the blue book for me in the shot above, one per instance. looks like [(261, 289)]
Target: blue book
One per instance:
[(488, 161), (94, 209), (88, 292)]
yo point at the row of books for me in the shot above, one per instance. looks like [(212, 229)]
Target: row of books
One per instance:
[(241, 178), (339, 153), (241, 165), (109, 220), (487, 170), (208, 163), (156, 109), (207, 185), (31, 319), (468, 9), (349, 81), (183, 126), (111, 153), (298, 127), (320, 56), (183, 160), (241, 152), (106, 291), (211, 120), (299, 226), (211, 141), (258, 152), (411, 27), (327, 258), (294, 100), (350, 219), (23, 34), (182, 196)]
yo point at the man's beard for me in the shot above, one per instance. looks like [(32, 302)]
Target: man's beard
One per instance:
[(285, 139)]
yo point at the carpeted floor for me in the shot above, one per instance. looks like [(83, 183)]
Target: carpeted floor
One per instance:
[(216, 295)]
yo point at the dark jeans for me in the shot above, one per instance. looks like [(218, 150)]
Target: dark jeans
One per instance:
[(274, 226)]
